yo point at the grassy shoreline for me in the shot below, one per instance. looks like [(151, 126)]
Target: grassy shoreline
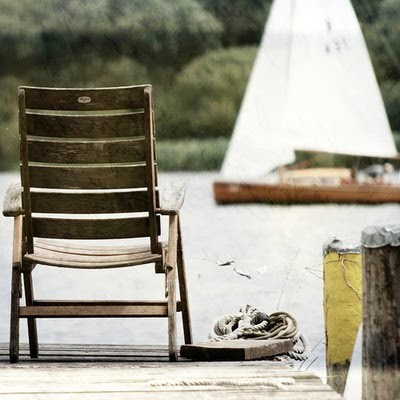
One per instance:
[(191, 154)]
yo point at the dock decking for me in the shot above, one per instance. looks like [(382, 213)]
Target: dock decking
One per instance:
[(143, 372)]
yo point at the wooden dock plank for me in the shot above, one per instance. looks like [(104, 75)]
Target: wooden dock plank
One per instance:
[(143, 372)]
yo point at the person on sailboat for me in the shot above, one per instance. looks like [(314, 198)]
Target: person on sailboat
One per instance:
[(376, 173)]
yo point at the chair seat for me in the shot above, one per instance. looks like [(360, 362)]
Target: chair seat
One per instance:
[(61, 254)]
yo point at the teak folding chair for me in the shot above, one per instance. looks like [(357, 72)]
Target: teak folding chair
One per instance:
[(91, 151)]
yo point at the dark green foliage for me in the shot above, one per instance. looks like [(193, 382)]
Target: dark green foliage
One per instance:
[(196, 53), (94, 72), (208, 93), (396, 136), (243, 20), (367, 10), (9, 137), (391, 97), (166, 32), (56, 32), (382, 40)]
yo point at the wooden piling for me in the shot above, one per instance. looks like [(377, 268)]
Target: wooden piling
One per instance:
[(342, 308), (381, 313)]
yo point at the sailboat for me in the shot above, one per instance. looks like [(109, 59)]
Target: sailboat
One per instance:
[(312, 88)]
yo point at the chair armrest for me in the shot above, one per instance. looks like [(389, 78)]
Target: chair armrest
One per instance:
[(12, 205), (172, 198)]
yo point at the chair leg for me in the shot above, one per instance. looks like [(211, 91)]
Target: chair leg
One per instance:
[(187, 326), (172, 342), (171, 266), (32, 329), (14, 320)]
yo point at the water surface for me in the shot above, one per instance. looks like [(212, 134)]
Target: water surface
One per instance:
[(281, 240)]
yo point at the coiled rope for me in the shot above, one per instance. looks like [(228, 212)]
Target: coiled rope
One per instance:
[(250, 323)]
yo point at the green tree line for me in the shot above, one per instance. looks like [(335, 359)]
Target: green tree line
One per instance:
[(196, 53)]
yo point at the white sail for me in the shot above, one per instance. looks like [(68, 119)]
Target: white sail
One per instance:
[(312, 87)]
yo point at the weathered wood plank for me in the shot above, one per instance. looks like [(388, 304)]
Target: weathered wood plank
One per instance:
[(236, 350), (207, 395), (86, 152), (101, 311), (153, 380), (129, 97), (381, 313), (84, 126), (114, 176), (66, 228), (89, 203)]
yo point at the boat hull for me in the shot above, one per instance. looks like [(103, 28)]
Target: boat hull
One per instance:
[(232, 192)]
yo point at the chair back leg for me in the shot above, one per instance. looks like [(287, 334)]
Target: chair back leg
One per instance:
[(187, 326), (32, 329)]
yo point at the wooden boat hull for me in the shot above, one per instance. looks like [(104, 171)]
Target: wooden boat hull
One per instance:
[(231, 192)]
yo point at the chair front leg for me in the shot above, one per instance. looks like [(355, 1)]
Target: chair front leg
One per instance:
[(14, 317), (15, 290), (171, 266)]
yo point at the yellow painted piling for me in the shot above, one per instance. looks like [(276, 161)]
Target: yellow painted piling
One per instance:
[(342, 308)]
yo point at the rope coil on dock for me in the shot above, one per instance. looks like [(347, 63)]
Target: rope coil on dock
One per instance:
[(251, 323)]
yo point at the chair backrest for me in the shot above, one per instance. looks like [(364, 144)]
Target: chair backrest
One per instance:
[(88, 151)]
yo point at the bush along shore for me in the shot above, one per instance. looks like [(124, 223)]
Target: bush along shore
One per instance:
[(197, 54)]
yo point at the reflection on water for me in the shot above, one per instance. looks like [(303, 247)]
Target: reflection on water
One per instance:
[(274, 244)]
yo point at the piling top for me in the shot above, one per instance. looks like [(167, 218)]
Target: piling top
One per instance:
[(339, 246), (381, 235)]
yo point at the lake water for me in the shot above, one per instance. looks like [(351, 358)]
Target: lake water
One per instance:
[(282, 240)]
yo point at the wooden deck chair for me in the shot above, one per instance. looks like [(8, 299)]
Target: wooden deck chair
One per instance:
[(91, 151)]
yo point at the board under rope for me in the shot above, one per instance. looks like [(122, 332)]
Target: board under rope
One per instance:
[(251, 335)]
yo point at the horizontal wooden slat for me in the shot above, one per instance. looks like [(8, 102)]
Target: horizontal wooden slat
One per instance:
[(89, 203), (84, 99), (70, 260), (78, 177), (30, 262), (65, 228), (82, 152), (84, 126), (101, 311), (51, 302), (60, 246)]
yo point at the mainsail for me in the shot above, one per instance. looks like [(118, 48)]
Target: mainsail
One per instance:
[(312, 87)]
